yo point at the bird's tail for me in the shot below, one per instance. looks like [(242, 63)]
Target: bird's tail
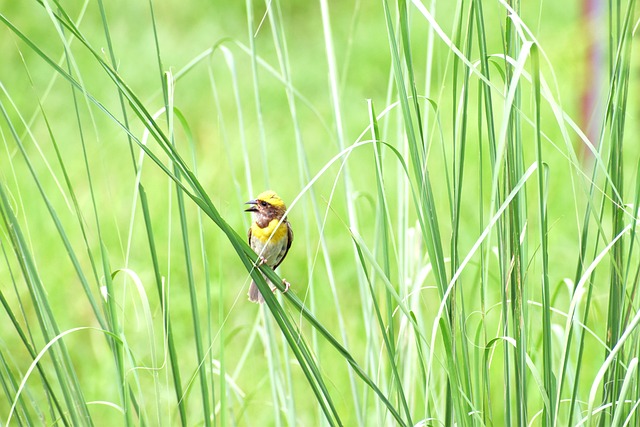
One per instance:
[(254, 294)]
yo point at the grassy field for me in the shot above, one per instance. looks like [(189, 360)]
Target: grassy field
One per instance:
[(465, 244)]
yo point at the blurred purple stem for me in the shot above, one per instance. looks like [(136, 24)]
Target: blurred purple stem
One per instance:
[(590, 110)]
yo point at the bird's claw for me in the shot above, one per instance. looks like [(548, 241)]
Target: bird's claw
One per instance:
[(261, 260), (286, 285)]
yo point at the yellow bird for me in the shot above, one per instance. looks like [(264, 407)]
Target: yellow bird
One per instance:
[(268, 237)]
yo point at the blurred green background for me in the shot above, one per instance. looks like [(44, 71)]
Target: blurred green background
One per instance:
[(237, 153)]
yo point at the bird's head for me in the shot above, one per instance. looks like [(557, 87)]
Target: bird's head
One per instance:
[(267, 206)]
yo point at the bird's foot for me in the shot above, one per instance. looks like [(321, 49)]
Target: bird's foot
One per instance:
[(261, 260), (287, 285)]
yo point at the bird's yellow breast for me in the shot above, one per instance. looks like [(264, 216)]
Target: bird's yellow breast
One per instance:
[(265, 233)]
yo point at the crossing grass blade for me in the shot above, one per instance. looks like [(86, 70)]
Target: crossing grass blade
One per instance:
[(451, 243)]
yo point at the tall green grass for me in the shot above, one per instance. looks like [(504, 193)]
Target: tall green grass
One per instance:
[(456, 261)]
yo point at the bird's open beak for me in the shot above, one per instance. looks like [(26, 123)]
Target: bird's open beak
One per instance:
[(253, 204)]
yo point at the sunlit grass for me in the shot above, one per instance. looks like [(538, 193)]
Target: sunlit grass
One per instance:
[(457, 260)]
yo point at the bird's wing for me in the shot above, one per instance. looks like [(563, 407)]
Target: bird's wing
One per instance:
[(249, 236), (289, 235), (289, 240)]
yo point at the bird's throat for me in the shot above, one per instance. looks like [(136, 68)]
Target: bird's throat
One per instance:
[(269, 228)]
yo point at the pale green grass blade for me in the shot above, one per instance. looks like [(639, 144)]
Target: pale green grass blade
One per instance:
[(621, 405), (249, 259), (9, 382), (387, 330), (515, 336), (208, 286), (75, 407), (67, 243), (166, 318), (10, 388), (114, 64), (549, 380), (280, 44), (202, 365), (460, 118), (252, 32), (620, 50)]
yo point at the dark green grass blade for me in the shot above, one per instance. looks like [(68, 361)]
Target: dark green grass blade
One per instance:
[(199, 196), (387, 331), (166, 317), (188, 264), (10, 385), (547, 350), (75, 407)]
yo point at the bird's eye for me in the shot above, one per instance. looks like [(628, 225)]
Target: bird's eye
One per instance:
[(263, 203)]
